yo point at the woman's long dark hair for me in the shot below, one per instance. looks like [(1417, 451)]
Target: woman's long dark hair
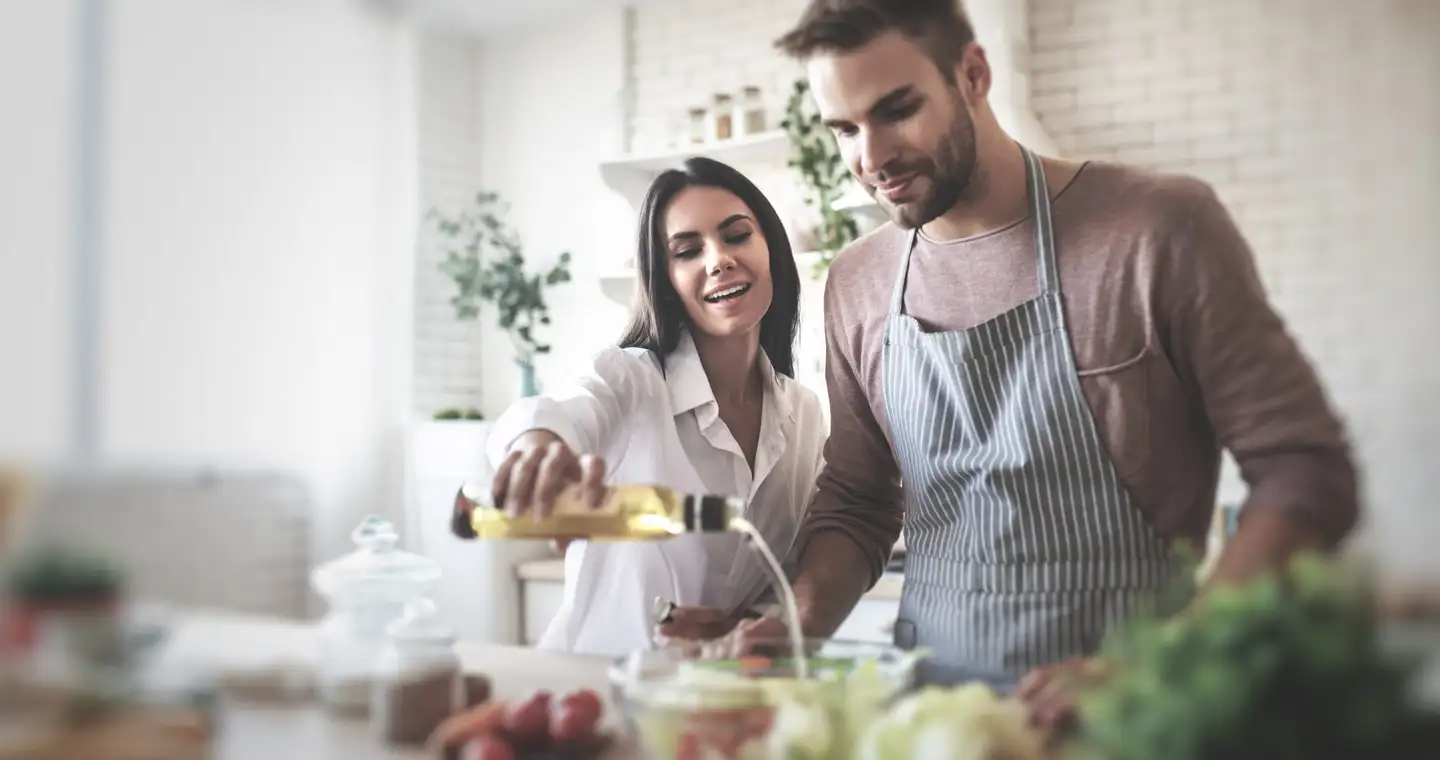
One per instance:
[(658, 316)]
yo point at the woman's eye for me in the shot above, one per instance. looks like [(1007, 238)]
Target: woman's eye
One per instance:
[(686, 253), (738, 238)]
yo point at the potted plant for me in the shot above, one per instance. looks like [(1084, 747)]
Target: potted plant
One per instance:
[(823, 176), (58, 580), (485, 260)]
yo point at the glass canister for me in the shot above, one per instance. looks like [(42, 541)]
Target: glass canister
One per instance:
[(697, 131), (750, 112), (366, 590), (722, 119), (418, 678)]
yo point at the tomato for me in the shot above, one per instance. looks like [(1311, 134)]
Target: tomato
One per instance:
[(688, 747), (487, 748), (569, 724), (528, 721)]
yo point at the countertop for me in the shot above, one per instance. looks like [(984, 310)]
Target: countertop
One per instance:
[(250, 731), (887, 589)]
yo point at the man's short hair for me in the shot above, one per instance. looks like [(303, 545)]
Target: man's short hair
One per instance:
[(939, 27)]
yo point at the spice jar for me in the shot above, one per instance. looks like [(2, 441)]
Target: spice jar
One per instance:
[(418, 682), (697, 126), (752, 110), (366, 591), (723, 119)]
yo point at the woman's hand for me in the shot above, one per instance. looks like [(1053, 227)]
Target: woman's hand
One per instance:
[(537, 468), (697, 624)]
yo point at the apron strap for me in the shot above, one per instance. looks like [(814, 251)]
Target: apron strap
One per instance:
[(897, 298), (1047, 271)]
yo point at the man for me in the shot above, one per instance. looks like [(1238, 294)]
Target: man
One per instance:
[(1050, 355)]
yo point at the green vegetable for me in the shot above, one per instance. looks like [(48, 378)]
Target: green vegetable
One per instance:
[(61, 574), (1288, 666)]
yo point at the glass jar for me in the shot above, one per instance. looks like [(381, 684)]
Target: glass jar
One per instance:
[(722, 119), (752, 112), (418, 680), (366, 590), (697, 126)]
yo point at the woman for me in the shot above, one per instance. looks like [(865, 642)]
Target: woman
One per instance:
[(699, 396)]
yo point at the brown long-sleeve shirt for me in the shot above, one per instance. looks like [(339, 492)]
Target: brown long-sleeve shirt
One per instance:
[(1178, 350)]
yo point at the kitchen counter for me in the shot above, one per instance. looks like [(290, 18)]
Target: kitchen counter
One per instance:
[(250, 731), (553, 571)]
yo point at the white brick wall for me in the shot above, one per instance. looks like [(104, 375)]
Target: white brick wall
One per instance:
[(1315, 121), (447, 352)]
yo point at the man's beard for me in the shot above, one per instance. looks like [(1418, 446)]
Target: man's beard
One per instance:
[(951, 173)]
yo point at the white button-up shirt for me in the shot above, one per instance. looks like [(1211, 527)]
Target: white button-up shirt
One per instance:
[(659, 427)]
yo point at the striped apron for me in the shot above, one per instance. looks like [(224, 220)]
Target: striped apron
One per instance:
[(1022, 545)]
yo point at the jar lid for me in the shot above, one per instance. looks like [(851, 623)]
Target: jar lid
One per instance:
[(375, 560), (421, 621)]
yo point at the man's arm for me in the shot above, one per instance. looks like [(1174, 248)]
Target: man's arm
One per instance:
[(1260, 394), (856, 515)]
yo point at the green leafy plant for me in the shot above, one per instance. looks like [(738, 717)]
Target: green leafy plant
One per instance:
[(814, 155), (56, 574), (1287, 666), (458, 414), (485, 260)]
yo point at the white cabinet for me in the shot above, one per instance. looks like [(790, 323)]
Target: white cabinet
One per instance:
[(872, 620), (540, 600)]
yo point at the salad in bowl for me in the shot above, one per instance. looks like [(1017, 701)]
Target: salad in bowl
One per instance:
[(686, 701)]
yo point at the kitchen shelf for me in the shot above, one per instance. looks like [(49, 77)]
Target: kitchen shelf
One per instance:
[(631, 175)]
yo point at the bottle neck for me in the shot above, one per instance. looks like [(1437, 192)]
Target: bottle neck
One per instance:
[(708, 514)]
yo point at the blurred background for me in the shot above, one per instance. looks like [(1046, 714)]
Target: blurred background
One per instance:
[(224, 332)]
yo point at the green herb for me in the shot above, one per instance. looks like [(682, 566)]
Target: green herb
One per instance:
[(814, 154), (458, 414), (1287, 666), (500, 278), (55, 573)]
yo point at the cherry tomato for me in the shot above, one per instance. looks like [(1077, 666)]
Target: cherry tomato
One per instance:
[(487, 748), (527, 721), (586, 703)]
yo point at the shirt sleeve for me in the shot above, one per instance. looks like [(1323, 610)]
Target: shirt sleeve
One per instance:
[(858, 490), (589, 414), (1259, 392)]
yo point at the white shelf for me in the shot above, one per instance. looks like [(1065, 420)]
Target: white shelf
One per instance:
[(765, 147), (631, 175)]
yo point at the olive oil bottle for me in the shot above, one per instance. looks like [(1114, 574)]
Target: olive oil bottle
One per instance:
[(626, 513)]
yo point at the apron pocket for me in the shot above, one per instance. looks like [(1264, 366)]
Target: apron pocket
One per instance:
[(1120, 402)]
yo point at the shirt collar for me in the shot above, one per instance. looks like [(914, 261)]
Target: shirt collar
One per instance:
[(690, 388)]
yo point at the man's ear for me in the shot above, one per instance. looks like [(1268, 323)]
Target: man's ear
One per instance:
[(972, 73)]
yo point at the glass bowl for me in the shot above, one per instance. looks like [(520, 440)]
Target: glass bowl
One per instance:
[(688, 701)]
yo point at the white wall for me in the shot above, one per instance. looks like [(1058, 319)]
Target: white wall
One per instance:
[(550, 115), (1311, 119), (37, 72), (449, 354), (257, 237)]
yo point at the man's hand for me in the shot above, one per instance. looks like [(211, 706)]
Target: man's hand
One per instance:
[(748, 636), (1049, 693)]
